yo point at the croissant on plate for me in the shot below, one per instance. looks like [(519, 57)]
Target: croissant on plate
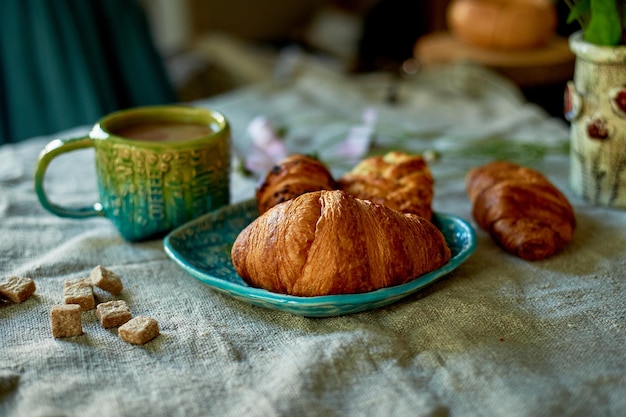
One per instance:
[(397, 180), (520, 209), (294, 175), (330, 242)]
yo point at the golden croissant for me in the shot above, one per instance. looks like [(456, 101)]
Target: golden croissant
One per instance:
[(520, 209), (294, 175), (397, 180), (330, 242)]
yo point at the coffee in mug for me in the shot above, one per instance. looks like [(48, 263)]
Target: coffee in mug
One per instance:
[(164, 132), (156, 168)]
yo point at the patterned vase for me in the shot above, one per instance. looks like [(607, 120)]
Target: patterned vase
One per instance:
[(595, 104)]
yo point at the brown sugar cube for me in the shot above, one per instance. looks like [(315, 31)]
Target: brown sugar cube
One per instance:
[(79, 292), (106, 279), (139, 330), (113, 313), (65, 320), (17, 289)]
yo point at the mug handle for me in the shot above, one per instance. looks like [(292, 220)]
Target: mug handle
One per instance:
[(51, 151)]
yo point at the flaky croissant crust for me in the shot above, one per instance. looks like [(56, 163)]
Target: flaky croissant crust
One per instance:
[(293, 176), (398, 180), (520, 209), (330, 242)]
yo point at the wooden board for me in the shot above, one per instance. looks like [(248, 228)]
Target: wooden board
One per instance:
[(550, 64)]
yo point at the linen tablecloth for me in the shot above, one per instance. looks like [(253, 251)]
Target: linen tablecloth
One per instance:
[(498, 336)]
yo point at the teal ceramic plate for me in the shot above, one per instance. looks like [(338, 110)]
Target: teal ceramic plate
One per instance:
[(202, 248)]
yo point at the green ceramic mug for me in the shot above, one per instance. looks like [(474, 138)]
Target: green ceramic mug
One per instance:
[(156, 167)]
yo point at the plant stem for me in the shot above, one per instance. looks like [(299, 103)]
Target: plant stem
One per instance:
[(620, 10), (581, 18)]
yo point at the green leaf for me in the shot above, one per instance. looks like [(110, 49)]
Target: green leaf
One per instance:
[(605, 25)]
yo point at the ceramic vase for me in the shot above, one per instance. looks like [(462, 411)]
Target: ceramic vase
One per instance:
[(595, 105)]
